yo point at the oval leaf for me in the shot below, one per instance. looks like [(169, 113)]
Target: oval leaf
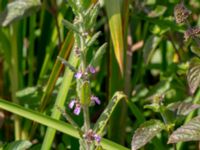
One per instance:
[(18, 145), (193, 76), (187, 132), (17, 10), (146, 132), (182, 108)]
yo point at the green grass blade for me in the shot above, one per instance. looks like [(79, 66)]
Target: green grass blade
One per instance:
[(60, 100), (115, 24), (53, 123), (56, 69)]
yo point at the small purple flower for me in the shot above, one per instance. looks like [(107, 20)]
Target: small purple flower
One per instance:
[(77, 109), (78, 75), (97, 138), (71, 104), (95, 100), (92, 70)]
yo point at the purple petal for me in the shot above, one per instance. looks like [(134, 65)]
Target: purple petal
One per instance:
[(71, 104), (97, 138), (77, 110), (92, 69), (78, 75), (96, 100)]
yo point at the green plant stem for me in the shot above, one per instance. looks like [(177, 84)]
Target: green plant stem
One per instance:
[(14, 77)]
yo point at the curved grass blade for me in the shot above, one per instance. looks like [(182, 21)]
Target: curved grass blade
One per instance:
[(53, 123), (145, 133), (188, 132), (115, 24), (193, 76), (105, 116)]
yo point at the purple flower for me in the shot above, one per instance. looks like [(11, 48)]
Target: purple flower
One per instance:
[(95, 100), (78, 75), (92, 70), (71, 104), (77, 109), (97, 138)]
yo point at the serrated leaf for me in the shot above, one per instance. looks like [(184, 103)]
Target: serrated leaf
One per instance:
[(17, 10), (188, 132), (182, 108), (145, 133), (150, 47), (105, 116), (193, 76), (18, 145)]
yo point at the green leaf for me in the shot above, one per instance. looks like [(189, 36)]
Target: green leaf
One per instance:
[(195, 50), (53, 123), (103, 119), (115, 24), (146, 132), (17, 10), (18, 145), (70, 26), (193, 76), (188, 132), (98, 56), (150, 47), (29, 96), (158, 11), (182, 108)]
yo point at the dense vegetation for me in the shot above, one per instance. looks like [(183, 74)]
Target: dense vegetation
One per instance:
[(99, 74)]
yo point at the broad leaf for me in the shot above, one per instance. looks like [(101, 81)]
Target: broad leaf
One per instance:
[(188, 132), (193, 76), (17, 10), (145, 133), (105, 116), (150, 47), (18, 145), (182, 108)]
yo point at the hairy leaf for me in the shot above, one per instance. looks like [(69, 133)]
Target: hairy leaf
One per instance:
[(188, 132), (18, 145), (182, 108), (145, 133), (17, 10), (193, 76)]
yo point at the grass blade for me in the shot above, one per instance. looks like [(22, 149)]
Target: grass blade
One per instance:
[(53, 123)]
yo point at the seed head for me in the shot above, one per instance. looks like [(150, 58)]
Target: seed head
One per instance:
[(181, 13)]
